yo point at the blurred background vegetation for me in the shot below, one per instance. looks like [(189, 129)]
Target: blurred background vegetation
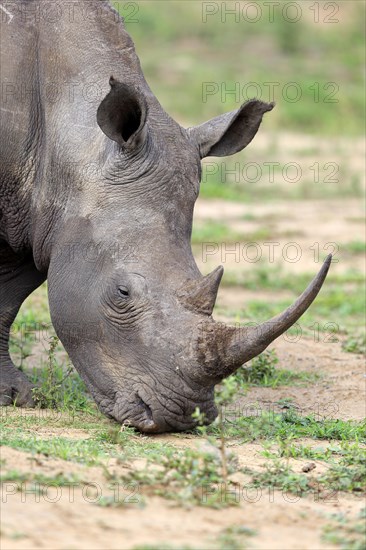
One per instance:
[(182, 45)]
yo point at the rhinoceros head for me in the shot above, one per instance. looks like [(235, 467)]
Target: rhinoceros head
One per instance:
[(127, 299)]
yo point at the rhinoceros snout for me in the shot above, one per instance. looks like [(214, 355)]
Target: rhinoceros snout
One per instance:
[(148, 415)]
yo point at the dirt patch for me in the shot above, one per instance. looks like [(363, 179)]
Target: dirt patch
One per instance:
[(53, 520), (341, 393), (69, 433), (42, 464)]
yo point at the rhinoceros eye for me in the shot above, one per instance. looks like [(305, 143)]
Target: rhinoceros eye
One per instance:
[(123, 292)]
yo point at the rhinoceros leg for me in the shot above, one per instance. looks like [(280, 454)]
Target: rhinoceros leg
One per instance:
[(18, 278)]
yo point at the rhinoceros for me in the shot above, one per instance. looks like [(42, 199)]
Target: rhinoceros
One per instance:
[(98, 185)]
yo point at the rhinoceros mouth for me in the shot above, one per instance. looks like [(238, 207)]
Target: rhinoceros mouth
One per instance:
[(152, 417), (137, 415)]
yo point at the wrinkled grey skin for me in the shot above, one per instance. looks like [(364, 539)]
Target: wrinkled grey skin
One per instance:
[(98, 186)]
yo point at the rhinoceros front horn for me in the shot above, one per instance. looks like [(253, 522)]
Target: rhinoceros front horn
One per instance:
[(223, 349)]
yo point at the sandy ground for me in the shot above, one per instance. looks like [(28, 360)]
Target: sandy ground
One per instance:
[(280, 523), (68, 519)]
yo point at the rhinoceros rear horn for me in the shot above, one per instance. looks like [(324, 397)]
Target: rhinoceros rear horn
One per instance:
[(122, 114)]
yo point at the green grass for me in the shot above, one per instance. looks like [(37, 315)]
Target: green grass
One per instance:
[(266, 277), (162, 546), (355, 343), (280, 476), (354, 247), (60, 388), (86, 451), (290, 424), (212, 231), (349, 475), (235, 537), (34, 313), (243, 189), (183, 475), (41, 418), (346, 533), (346, 470), (96, 448), (32, 326), (346, 462), (189, 476), (334, 312), (263, 371), (58, 480)]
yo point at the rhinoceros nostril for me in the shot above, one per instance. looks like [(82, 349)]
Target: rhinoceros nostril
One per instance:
[(147, 423), (145, 407)]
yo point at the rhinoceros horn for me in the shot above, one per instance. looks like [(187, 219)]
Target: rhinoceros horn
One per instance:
[(200, 295), (223, 349)]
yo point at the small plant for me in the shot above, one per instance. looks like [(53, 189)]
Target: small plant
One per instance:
[(355, 344), (261, 368), (224, 396), (286, 448), (57, 388), (263, 371), (189, 476), (117, 436), (200, 418), (47, 396), (280, 476), (349, 474), (110, 501), (233, 537)]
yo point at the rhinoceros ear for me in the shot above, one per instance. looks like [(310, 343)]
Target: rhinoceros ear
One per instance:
[(229, 133), (122, 115)]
